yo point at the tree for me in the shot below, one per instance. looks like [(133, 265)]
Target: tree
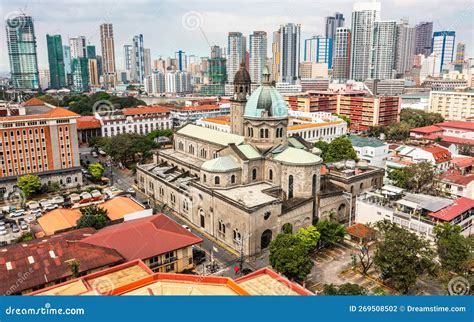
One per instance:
[(26, 236), (287, 228), (345, 118), (365, 258), (415, 178), (344, 289), (331, 232), (454, 250), (29, 184), (93, 216), (289, 256), (339, 149), (96, 170), (401, 256), (309, 237), (419, 118), (74, 266)]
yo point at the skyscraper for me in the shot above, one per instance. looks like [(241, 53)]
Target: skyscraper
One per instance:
[(405, 49), (21, 41), (67, 64), (147, 58), (342, 54), (384, 44), (290, 37), (332, 23), (108, 54), (93, 72), (460, 51), (182, 60), (258, 55), (236, 53), (275, 72), (364, 15), (78, 47), (318, 49), (90, 51), (423, 35), (127, 56), (216, 73), (80, 74), (443, 47), (56, 61), (138, 59)]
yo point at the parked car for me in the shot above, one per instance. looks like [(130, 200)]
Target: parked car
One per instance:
[(15, 229), (57, 200), (30, 218), (23, 225), (74, 197), (199, 256), (131, 191), (3, 232), (32, 205), (18, 213), (95, 193)]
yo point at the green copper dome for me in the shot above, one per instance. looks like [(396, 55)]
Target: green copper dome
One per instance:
[(266, 98)]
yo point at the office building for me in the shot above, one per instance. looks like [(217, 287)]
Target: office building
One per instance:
[(108, 54), (452, 105), (236, 47), (67, 64), (275, 63), (56, 61), (313, 70), (93, 72), (364, 15), (332, 23), (423, 38), (460, 56), (258, 55), (137, 72), (443, 47), (318, 49), (56, 156), (405, 48), (181, 58), (216, 73), (91, 52), (342, 54), (78, 47), (155, 83), (384, 44), (147, 61), (21, 42), (127, 57), (290, 37), (80, 74)]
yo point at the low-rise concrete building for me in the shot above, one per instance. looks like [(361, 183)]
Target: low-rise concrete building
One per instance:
[(372, 150)]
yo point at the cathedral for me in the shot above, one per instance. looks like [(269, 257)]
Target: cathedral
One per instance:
[(241, 187)]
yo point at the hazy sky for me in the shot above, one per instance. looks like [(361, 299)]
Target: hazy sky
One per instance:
[(169, 25)]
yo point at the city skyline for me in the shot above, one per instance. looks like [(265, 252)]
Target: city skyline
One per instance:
[(194, 28)]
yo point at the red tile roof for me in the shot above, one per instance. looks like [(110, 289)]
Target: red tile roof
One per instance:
[(45, 260), (458, 125), (449, 139), (440, 154), (456, 177), (458, 207), (87, 122), (34, 102), (427, 129), (359, 230), (145, 110), (144, 238), (462, 162)]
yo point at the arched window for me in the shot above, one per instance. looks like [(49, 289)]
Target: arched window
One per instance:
[(313, 190), (290, 187), (204, 178), (270, 175), (254, 174), (232, 179), (202, 218), (266, 133), (221, 226), (361, 186), (181, 146), (217, 180), (262, 133)]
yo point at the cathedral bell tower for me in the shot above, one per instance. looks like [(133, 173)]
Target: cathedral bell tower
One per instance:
[(237, 103)]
